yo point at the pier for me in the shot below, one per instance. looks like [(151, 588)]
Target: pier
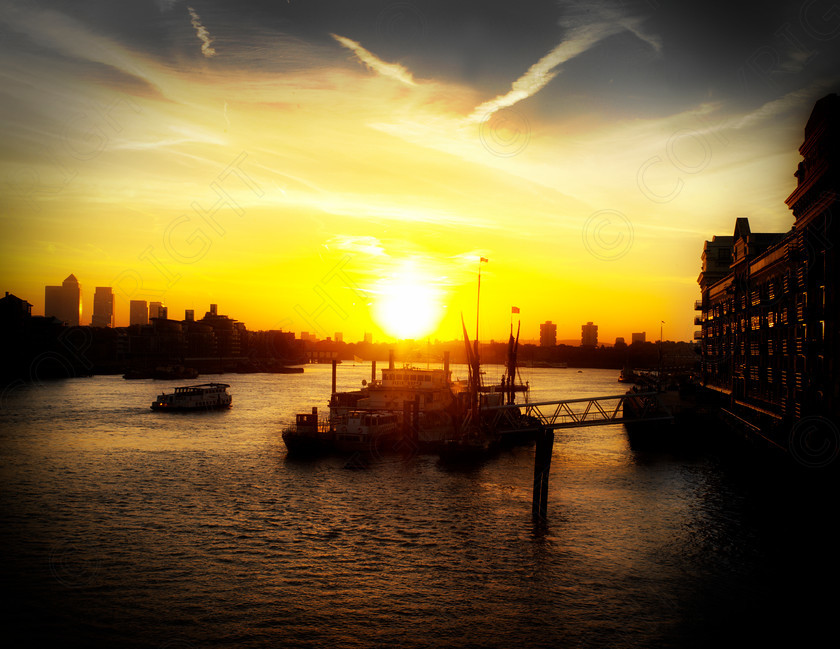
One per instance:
[(585, 411), (635, 407)]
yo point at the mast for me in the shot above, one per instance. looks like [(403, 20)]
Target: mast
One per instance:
[(472, 356), (477, 304), (659, 374), (472, 364), (513, 345)]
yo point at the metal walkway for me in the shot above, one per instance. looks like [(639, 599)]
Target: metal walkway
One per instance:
[(586, 411)]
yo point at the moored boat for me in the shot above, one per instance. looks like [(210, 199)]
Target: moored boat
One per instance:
[(425, 410), (407, 408), (206, 396), (362, 431)]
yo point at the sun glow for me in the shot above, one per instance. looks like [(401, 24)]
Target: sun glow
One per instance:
[(408, 304)]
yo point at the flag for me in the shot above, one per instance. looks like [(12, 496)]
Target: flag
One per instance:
[(484, 259), (514, 309)]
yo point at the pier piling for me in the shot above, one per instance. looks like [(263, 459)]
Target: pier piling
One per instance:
[(542, 468)]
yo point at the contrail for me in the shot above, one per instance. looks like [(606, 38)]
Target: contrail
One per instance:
[(202, 34), (599, 20), (393, 70), (543, 71)]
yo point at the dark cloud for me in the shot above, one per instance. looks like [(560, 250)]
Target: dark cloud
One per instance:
[(670, 56)]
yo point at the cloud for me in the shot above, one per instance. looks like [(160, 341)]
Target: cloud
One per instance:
[(202, 33), (393, 70), (542, 72), (587, 25), (776, 108)]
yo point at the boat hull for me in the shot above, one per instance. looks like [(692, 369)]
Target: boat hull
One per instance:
[(166, 408), (310, 444), (190, 398)]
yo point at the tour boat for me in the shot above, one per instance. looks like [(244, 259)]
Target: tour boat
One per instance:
[(206, 396)]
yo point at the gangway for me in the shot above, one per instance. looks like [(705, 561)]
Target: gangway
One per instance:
[(584, 411)]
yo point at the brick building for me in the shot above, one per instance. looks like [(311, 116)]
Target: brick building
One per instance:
[(769, 307)]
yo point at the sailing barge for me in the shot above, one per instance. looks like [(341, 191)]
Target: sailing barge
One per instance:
[(412, 410)]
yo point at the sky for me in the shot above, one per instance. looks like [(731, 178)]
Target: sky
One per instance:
[(338, 166)]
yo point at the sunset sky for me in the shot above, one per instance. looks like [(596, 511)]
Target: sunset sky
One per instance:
[(330, 166)]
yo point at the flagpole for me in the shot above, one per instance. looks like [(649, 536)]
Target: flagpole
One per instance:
[(477, 303)]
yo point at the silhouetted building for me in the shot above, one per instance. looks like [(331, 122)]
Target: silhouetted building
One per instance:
[(368, 338), (638, 337), (156, 310), (138, 312), (589, 335), (548, 334), (189, 315), (103, 307), (39, 347), (201, 340), (13, 310), (168, 340), (769, 333), (276, 346), (228, 333), (64, 302), (339, 337), (716, 260)]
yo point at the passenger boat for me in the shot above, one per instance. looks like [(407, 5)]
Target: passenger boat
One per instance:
[(206, 396)]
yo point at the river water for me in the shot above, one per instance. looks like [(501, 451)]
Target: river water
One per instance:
[(122, 527)]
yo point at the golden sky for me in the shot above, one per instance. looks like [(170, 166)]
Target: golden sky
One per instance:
[(336, 174)]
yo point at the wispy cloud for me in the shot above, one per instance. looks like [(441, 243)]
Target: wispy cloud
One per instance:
[(585, 29), (202, 33), (543, 71), (373, 62), (775, 109)]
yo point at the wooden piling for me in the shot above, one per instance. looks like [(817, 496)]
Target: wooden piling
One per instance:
[(542, 468), (407, 419), (415, 420), (334, 367)]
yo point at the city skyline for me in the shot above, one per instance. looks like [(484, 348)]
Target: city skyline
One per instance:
[(141, 312), (317, 171)]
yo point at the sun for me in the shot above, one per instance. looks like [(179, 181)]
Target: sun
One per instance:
[(408, 303)]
